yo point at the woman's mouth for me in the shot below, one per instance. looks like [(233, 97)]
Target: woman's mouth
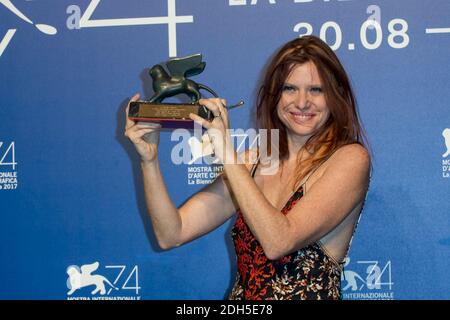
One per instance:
[(302, 117)]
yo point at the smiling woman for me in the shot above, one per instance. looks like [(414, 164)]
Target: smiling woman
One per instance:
[(306, 84), (293, 226)]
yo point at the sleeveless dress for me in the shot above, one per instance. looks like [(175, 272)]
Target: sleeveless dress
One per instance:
[(307, 274)]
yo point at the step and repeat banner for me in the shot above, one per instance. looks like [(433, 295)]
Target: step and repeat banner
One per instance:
[(73, 216)]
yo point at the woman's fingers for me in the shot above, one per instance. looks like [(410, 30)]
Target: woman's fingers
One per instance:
[(151, 125), (223, 110), (201, 121), (136, 131), (144, 135), (137, 135), (212, 104), (136, 97), (133, 128), (129, 122), (218, 108)]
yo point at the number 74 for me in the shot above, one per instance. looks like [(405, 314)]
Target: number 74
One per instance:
[(134, 272), (10, 150)]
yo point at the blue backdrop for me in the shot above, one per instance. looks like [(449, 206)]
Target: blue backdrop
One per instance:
[(71, 194)]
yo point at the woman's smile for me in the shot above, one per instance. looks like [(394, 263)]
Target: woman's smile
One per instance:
[(302, 117)]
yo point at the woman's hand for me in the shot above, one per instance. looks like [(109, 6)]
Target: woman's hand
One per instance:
[(217, 129), (144, 135)]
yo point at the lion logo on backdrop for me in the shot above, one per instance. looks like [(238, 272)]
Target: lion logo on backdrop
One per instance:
[(352, 278), (446, 135), (82, 277), (371, 281), (376, 283)]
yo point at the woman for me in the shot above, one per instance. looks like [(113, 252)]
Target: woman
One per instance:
[(294, 227)]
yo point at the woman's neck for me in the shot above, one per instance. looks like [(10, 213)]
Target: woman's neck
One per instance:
[(295, 144)]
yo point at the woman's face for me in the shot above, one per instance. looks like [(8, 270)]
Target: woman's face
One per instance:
[(302, 107)]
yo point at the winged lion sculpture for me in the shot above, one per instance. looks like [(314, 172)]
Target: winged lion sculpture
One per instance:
[(165, 85)]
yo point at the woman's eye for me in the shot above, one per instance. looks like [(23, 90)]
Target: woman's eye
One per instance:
[(316, 90), (288, 88)]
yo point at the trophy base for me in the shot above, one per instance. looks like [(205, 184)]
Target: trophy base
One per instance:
[(169, 115)]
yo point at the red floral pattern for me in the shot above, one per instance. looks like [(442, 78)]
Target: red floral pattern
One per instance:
[(305, 274)]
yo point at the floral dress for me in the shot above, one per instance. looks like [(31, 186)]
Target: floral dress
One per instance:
[(308, 273)]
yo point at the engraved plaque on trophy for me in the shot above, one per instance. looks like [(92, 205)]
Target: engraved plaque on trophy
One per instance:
[(168, 84)]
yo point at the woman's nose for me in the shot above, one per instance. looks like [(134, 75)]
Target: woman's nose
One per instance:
[(302, 99)]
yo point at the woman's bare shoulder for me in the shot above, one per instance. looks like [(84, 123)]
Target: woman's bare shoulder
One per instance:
[(352, 157), (352, 152)]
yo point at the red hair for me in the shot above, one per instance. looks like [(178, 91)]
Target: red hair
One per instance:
[(343, 125)]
